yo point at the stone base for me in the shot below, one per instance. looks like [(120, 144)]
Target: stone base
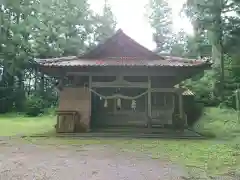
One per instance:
[(81, 128)]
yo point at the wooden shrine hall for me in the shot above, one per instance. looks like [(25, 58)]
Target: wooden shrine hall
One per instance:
[(120, 83)]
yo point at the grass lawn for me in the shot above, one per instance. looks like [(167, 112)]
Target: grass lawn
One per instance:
[(219, 123), (211, 156), (198, 156), (13, 124)]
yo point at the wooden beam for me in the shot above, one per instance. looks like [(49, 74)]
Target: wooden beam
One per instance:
[(140, 73), (176, 90), (149, 102), (119, 85), (90, 99)]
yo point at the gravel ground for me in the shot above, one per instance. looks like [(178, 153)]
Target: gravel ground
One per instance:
[(20, 161)]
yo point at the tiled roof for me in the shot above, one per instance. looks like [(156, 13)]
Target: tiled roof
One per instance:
[(188, 92), (74, 61), (120, 44), (113, 50)]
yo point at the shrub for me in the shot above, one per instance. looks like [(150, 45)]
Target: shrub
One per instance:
[(34, 106), (51, 111), (217, 122)]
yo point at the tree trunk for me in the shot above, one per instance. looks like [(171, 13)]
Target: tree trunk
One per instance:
[(42, 85), (20, 98), (7, 93), (217, 50)]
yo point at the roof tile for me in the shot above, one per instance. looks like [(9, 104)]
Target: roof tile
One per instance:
[(73, 61)]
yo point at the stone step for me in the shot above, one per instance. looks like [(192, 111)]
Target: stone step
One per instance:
[(130, 132), (129, 135), (144, 131)]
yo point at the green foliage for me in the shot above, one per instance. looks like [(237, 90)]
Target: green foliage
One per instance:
[(43, 29), (220, 20), (16, 21), (106, 24), (176, 44), (51, 111), (203, 89), (160, 17), (34, 106), (220, 123), (64, 28)]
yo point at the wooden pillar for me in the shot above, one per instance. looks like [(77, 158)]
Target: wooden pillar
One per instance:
[(146, 106), (90, 99), (149, 102), (180, 105), (181, 110), (118, 78)]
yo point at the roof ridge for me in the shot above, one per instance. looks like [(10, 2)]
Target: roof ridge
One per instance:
[(120, 34), (56, 59), (140, 45), (100, 43)]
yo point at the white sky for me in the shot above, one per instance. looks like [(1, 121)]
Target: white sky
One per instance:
[(131, 19)]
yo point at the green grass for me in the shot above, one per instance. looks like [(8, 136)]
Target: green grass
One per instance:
[(14, 124), (219, 123), (211, 156), (198, 156)]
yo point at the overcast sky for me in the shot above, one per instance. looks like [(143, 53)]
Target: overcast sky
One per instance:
[(130, 18)]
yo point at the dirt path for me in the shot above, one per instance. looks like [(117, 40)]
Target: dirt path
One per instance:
[(28, 162)]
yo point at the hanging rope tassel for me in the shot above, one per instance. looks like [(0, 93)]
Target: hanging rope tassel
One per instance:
[(134, 105), (105, 104), (119, 103)]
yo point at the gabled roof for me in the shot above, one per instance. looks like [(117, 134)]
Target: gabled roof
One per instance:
[(120, 45), (121, 50)]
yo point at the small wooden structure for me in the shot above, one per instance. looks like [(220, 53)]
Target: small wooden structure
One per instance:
[(121, 83), (66, 121)]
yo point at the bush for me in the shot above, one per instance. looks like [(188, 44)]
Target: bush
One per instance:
[(220, 123), (204, 89), (51, 111), (34, 106)]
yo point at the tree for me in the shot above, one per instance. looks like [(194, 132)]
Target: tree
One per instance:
[(219, 20), (211, 16), (160, 17), (43, 29), (104, 24), (64, 28), (17, 18)]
